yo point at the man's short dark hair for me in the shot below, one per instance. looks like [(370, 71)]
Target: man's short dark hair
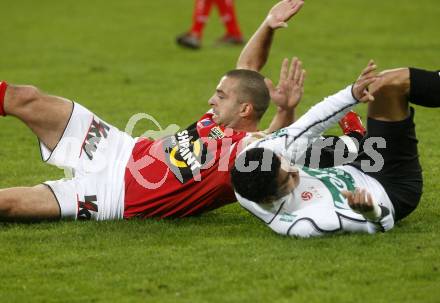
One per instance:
[(260, 183), (252, 88)]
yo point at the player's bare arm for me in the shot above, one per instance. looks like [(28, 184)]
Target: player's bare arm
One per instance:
[(286, 96), (256, 51)]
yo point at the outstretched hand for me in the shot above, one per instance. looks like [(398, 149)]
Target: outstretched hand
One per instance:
[(360, 87), (282, 12), (287, 94)]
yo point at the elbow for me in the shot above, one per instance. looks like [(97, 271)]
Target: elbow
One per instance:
[(249, 65)]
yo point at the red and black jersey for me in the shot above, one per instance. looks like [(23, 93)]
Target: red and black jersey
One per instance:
[(184, 174)]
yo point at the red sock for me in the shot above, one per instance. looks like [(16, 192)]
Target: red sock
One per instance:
[(202, 8), (352, 123), (227, 14), (3, 87)]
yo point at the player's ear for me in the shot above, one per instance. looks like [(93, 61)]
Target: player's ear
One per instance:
[(246, 109)]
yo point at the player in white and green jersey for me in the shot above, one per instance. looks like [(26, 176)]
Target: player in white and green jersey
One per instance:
[(317, 207), (381, 186)]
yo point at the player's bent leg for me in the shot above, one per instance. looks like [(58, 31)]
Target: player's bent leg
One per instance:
[(28, 204), (391, 92), (45, 115), (425, 87)]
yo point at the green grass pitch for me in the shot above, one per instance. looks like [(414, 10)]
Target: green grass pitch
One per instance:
[(118, 58)]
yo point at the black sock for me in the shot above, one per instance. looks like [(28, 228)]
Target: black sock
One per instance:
[(424, 87)]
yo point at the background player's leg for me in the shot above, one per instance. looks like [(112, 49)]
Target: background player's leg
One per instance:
[(391, 96), (227, 14), (229, 18), (202, 8), (193, 38), (47, 116), (28, 204)]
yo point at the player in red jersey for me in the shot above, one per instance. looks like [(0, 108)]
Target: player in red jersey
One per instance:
[(99, 155), (202, 8)]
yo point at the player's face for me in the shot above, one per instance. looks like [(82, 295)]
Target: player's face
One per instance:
[(288, 177), (225, 102)]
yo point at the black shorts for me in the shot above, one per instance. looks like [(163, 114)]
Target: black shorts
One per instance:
[(326, 156), (401, 174)]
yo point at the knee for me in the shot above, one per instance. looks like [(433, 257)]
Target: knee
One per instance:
[(392, 82), (21, 99)]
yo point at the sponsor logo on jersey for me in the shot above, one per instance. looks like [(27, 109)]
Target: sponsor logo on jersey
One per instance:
[(188, 157), (216, 133), (205, 122), (86, 207), (335, 180), (97, 131), (186, 154), (314, 191), (306, 195)]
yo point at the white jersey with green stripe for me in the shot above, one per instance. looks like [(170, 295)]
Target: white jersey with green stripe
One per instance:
[(316, 206)]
